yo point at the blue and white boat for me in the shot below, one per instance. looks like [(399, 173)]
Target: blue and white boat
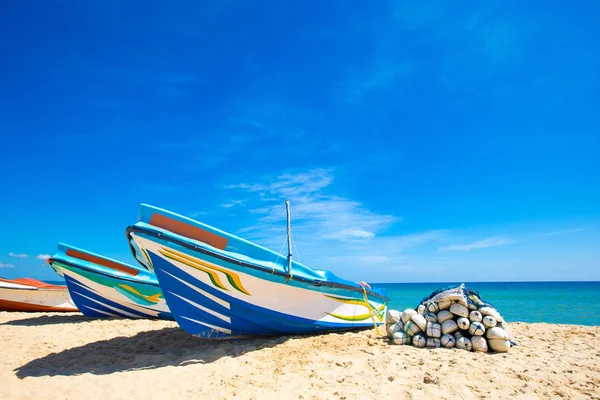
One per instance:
[(102, 287), (218, 285)]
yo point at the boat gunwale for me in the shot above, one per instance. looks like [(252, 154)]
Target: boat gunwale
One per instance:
[(20, 306), (29, 289), (47, 286), (200, 249), (72, 264)]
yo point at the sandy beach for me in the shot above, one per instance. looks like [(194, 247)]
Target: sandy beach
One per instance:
[(69, 356)]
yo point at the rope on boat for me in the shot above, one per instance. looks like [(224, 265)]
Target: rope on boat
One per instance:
[(295, 247), (278, 254), (373, 312)]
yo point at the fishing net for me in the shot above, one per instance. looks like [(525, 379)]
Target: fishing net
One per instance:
[(461, 294)]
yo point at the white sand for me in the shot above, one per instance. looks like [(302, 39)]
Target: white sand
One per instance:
[(68, 356)]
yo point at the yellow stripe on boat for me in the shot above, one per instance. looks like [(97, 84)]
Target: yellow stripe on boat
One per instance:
[(351, 318), (361, 317), (214, 278), (154, 298), (147, 257), (232, 277), (358, 302)]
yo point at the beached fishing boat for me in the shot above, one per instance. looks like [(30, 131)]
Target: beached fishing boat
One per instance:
[(218, 285), (102, 287), (31, 295)]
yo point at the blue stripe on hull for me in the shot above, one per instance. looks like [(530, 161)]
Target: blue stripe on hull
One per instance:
[(175, 292), (95, 306), (246, 318)]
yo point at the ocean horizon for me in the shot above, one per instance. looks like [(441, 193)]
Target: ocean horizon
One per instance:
[(554, 302)]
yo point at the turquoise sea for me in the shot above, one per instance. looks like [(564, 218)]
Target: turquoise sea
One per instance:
[(552, 302)]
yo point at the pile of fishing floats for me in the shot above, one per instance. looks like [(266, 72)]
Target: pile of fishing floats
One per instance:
[(452, 317)]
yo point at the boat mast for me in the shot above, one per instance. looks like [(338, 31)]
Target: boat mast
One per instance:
[(289, 238)]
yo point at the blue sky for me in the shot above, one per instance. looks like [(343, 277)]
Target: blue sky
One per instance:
[(416, 142)]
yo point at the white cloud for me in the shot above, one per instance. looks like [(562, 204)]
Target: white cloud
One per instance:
[(290, 185), (480, 244), (15, 255), (328, 231), (232, 203), (351, 233), (197, 214), (43, 256), (3, 265), (314, 212), (504, 240), (345, 236), (565, 232)]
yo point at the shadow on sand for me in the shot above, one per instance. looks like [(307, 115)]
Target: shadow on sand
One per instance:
[(146, 350), (50, 320)]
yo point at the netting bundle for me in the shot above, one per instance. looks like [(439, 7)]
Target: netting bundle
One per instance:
[(451, 317)]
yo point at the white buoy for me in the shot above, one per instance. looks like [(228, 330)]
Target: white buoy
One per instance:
[(421, 309), (500, 346), (491, 312), (392, 317), (498, 339), (397, 327), (401, 338), (497, 333), (449, 326), (476, 329), (460, 310), (433, 343), (464, 344), (419, 341), (489, 322), (471, 306), (463, 323), (430, 317), (411, 328), (458, 335), (475, 316), (407, 315), (444, 304), (420, 321), (434, 330), (444, 315), (432, 307), (479, 343), (448, 341)]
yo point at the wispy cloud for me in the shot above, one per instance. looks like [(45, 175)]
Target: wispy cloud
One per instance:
[(481, 37), (232, 203), (43, 256), (495, 241), (480, 244), (162, 82), (381, 76), (565, 231), (341, 234), (197, 214), (256, 127), (3, 265), (314, 211), (329, 231), (17, 255)]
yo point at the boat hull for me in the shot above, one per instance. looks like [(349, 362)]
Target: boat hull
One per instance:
[(24, 298), (99, 295), (218, 298)]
